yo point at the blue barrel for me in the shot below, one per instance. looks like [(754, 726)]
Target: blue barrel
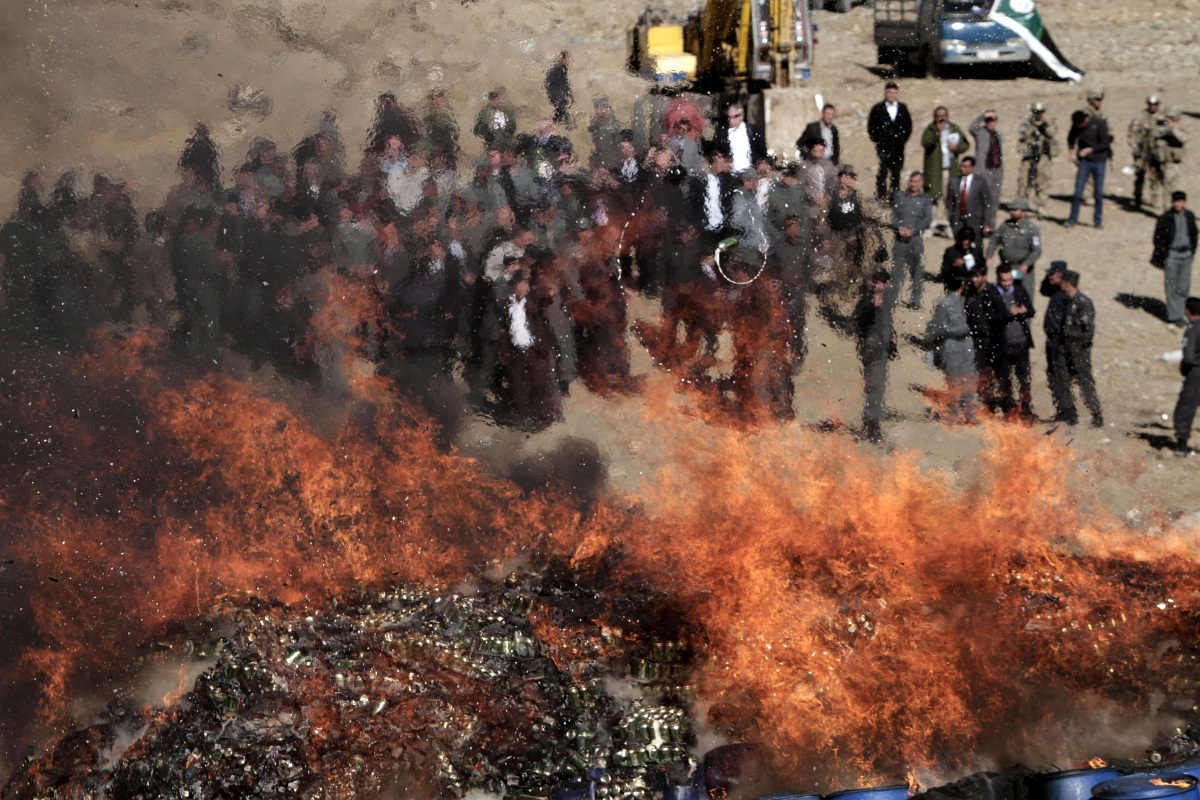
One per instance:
[(1075, 784), (573, 791), (897, 792), (1171, 785), (1188, 768), (791, 796), (691, 791)]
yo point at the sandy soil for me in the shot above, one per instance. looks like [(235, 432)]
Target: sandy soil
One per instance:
[(116, 86)]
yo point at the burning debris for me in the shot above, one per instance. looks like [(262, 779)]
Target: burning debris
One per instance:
[(513, 690)]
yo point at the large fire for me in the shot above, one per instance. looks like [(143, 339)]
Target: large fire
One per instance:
[(862, 617)]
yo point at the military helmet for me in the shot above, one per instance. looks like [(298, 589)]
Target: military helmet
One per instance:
[(1153, 100), (1038, 107), (1095, 94)]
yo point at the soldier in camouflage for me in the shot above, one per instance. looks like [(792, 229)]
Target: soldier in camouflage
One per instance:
[(1169, 141), (1038, 150), (1141, 141)]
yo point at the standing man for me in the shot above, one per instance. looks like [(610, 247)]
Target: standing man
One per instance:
[(744, 142), (1141, 141), (1189, 393), (496, 122), (1019, 242), (558, 89), (1074, 353), (1012, 342), (606, 135), (948, 334), (969, 200), (943, 142), (1091, 147), (1174, 248), (1038, 149), (1169, 140), (988, 146), (912, 214), (823, 130), (889, 126), (876, 346)]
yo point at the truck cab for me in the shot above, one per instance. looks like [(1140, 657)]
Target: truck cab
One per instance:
[(920, 35)]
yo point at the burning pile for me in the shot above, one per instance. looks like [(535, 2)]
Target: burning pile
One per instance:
[(512, 690)]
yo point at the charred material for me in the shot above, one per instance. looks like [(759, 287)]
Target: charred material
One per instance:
[(407, 689)]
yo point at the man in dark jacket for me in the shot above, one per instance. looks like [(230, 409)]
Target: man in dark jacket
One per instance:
[(984, 309), (1074, 336), (823, 130), (969, 201), (1012, 341), (558, 88), (889, 126), (1189, 393), (876, 345), (1174, 248), (964, 255), (744, 142), (1091, 147)]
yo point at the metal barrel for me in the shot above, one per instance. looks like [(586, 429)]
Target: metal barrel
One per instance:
[(896, 792), (1073, 784), (1170, 785)]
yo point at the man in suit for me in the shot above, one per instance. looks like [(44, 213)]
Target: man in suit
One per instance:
[(889, 126), (990, 148), (969, 201), (823, 130), (744, 142)]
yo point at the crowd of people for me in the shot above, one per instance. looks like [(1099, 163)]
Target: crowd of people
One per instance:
[(511, 274)]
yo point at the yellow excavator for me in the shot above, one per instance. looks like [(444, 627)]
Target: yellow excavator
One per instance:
[(728, 45)]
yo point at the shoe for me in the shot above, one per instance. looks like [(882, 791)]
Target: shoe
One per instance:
[(1069, 223), (1098, 226), (1181, 451), (1098, 421), (1063, 420)]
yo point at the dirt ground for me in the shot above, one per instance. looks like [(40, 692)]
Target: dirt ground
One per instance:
[(116, 87)]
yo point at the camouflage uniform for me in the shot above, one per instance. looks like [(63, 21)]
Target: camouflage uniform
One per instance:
[(1038, 149), (1169, 141), (1141, 141)]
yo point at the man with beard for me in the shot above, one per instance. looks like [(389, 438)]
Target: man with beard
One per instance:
[(964, 255), (984, 310)]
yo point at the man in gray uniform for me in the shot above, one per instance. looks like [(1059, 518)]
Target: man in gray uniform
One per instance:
[(912, 214), (1020, 244), (1175, 242), (1189, 393), (948, 334)]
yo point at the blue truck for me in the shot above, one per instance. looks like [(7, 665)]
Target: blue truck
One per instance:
[(916, 36)]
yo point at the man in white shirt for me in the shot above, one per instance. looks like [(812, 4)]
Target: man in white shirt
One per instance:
[(744, 142)]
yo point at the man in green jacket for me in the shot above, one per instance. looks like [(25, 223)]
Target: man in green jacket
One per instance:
[(944, 143)]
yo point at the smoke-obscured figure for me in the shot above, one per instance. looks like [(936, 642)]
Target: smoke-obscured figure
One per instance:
[(948, 336), (791, 265), (600, 316), (115, 221), (441, 128), (199, 282), (856, 244), (201, 156), (558, 89), (876, 346), (761, 378), (26, 249), (393, 118)]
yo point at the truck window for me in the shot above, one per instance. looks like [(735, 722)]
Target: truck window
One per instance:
[(964, 7)]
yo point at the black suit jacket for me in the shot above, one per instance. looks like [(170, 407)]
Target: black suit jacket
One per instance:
[(1164, 234), (979, 203), (812, 133), (758, 142), (889, 136)]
